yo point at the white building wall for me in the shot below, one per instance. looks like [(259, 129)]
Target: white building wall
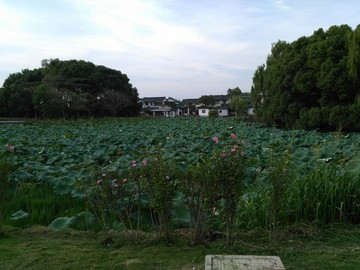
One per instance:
[(223, 112), (251, 111), (204, 112)]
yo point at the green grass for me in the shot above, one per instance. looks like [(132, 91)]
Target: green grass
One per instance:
[(38, 247)]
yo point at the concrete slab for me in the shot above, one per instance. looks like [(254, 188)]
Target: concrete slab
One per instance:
[(242, 262)]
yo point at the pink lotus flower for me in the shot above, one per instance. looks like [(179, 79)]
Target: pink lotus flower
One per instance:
[(233, 136), (216, 139)]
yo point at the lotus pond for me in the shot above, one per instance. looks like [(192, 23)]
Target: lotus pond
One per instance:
[(286, 176)]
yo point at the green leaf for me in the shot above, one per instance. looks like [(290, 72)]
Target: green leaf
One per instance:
[(181, 214), (353, 166), (19, 215), (61, 223), (83, 220), (64, 185), (179, 211), (21, 175)]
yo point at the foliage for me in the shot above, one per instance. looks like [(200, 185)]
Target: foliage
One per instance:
[(207, 100), (58, 165), (158, 178), (68, 89), (81, 221), (234, 92), (354, 53), (147, 186), (306, 83), (195, 185), (326, 195), (238, 102), (5, 171), (213, 113), (279, 177), (228, 166)]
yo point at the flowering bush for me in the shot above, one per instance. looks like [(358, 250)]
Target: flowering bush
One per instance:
[(197, 187), (115, 198), (228, 166), (157, 178)]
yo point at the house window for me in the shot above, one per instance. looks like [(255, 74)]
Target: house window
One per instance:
[(203, 111)]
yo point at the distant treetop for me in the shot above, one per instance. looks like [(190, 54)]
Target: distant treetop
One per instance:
[(68, 89), (311, 83)]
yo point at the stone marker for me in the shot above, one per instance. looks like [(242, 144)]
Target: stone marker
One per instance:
[(242, 262)]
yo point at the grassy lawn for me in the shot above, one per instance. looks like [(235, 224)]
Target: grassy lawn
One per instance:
[(38, 247)]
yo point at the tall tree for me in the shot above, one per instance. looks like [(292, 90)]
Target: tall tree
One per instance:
[(68, 89), (305, 83), (237, 102), (207, 100), (114, 101), (354, 54)]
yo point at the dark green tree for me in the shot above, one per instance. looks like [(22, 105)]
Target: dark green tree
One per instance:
[(354, 54), (68, 89), (306, 83), (237, 101), (207, 100), (16, 93)]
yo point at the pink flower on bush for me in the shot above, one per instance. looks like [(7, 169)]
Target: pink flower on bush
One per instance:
[(233, 149), (133, 164), (115, 183), (222, 154), (233, 136), (144, 162), (10, 147), (98, 182), (216, 139), (103, 175)]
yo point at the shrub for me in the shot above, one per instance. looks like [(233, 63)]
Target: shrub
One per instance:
[(213, 113), (197, 186), (158, 179), (228, 167), (5, 170)]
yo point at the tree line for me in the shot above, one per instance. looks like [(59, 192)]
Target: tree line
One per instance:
[(68, 89), (311, 83)]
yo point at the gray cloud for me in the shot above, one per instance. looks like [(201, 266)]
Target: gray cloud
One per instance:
[(175, 48)]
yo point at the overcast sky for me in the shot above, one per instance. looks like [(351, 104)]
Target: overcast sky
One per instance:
[(177, 48)]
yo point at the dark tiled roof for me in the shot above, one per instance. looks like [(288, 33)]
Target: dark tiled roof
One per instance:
[(221, 97), (190, 100), (152, 99)]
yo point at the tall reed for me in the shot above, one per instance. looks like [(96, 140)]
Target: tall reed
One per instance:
[(328, 194)]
